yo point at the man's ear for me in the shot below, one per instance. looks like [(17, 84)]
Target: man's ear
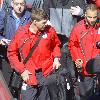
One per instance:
[(85, 14), (34, 22)]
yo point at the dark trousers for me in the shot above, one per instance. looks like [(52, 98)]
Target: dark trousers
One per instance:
[(86, 86), (35, 93), (56, 87), (38, 92), (68, 73), (67, 63)]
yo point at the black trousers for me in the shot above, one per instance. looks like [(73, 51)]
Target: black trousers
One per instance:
[(86, 87), (66, 62), (35, 93), (38, 92), (56, 87)]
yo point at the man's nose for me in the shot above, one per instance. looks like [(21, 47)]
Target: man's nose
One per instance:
[(92, 19)]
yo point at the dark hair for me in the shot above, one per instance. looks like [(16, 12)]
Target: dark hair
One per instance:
[(38, 14)]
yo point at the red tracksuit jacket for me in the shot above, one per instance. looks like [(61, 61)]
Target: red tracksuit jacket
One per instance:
[(82, 43), (43, 55)]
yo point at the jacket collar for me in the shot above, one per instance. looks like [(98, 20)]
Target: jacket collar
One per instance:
[(26, 14)]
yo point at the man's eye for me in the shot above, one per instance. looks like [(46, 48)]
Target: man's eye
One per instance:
[(92, 17), (16, 4), (95, 17), (22, 4)]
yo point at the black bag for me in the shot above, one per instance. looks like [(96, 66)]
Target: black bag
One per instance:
[(90, 66), (96, 64), (57, 84), (16, 79), (93, 65)]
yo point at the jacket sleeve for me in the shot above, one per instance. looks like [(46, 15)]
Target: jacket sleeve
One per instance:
[(55, 44), (2, 23), (12, 53), (73, 44), (2, 20)]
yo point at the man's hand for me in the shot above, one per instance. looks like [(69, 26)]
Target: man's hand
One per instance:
[(5, 41), (25, 75), (76, 10), (78, 63), (56, 63)]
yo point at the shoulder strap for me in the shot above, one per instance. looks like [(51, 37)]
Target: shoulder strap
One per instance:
[(33, 48)]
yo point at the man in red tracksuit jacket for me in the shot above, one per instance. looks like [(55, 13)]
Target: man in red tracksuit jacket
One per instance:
[(82, 46), (44, 58)]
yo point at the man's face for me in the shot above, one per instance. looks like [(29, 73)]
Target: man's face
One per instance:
[(18, 6), (41, 24), (91, 17)]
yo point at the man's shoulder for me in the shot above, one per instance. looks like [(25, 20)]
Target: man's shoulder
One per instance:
[(50, 29), (27, 13), (80, 24), (22, 30), (79, 27)]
